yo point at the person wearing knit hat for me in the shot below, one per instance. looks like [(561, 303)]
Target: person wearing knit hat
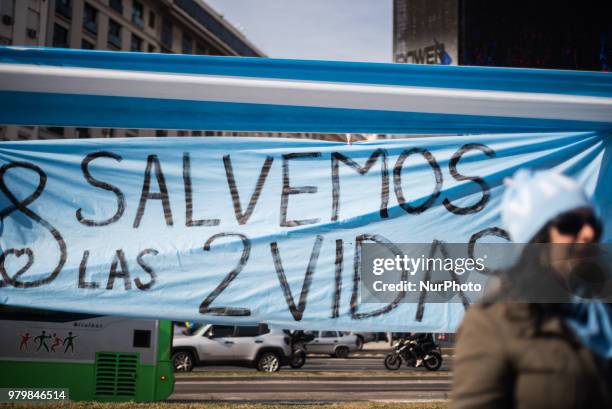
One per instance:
[(539, 355), (532, 199)]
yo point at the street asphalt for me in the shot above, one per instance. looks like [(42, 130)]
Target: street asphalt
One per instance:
[(337, 384)]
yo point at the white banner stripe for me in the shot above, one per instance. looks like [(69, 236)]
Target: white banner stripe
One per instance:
[(139, 84)]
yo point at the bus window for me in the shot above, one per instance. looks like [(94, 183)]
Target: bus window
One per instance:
[(142, 338)]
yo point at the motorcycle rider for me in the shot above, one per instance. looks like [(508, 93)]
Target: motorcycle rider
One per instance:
[(422, 341), (298, 340)]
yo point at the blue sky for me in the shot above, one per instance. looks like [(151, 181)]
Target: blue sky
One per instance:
[(344, 30)]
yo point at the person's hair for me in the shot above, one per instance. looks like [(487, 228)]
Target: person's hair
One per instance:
[(538, 312)]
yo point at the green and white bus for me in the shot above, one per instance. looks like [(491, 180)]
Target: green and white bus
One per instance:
[(97, 358)]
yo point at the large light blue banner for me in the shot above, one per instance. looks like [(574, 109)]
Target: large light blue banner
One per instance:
[(255, 229)]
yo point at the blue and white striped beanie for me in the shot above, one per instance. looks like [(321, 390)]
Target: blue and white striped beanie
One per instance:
[(533, 198)]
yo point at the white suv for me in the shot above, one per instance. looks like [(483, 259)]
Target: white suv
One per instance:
[(256, 346)]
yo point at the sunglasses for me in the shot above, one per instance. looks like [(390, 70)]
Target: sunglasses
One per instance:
[(572, 222)]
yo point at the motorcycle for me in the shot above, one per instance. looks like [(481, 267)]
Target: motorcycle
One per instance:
[(404, 352), (298, 348)]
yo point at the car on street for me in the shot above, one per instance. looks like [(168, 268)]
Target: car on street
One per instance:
[(255, 346), (334, 343)]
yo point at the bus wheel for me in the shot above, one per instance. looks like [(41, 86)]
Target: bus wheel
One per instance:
[(182, 361), (268, 362)]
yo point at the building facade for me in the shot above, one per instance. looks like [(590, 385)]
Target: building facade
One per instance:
[(425, 31), (566, 34), (166, 26)]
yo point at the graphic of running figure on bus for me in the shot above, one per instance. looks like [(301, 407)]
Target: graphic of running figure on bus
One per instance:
[(68, 341), (23, 345), (57, 341), (42, 341)]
